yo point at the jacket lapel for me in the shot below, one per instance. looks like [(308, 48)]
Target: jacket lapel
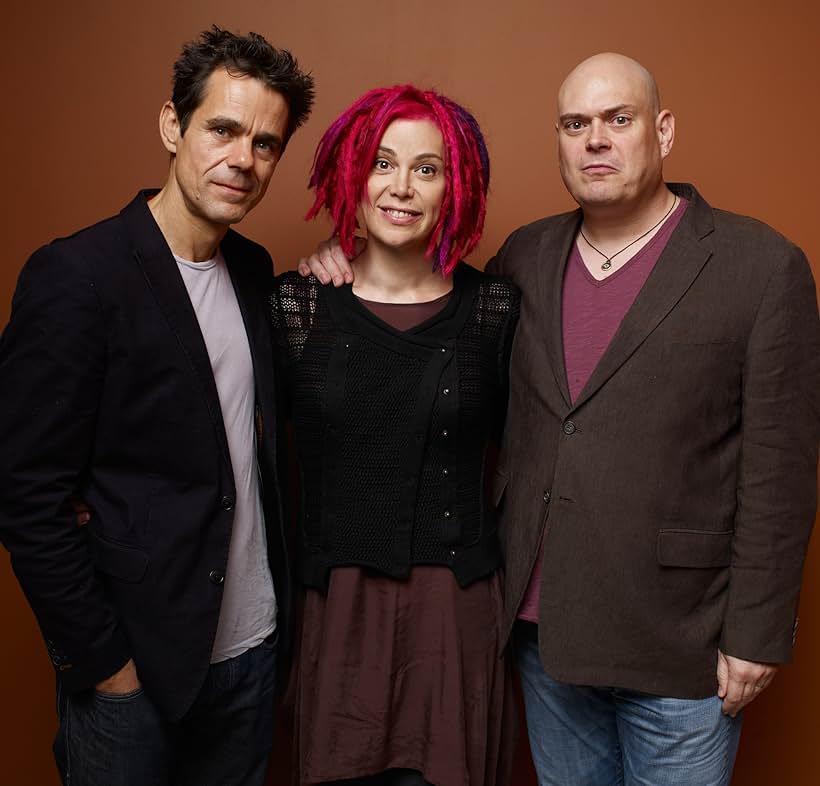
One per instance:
[(676, 269), (250, 294), (553, 253), (162, 275)]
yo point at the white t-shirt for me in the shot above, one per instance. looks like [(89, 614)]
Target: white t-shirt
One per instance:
[(248, 612)]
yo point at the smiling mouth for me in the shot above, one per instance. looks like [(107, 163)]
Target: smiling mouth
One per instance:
[(396, 213)]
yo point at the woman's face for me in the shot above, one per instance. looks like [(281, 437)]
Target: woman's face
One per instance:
[(406, 186)]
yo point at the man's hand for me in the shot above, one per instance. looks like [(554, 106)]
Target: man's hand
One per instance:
[(328, 262), (740, 681), (124, 681), (82, 510)]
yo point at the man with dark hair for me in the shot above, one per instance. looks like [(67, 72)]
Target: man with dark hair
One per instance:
[(137, 376), (657, 477)]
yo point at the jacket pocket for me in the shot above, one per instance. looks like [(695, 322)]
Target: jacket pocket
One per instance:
[(119, 560), (687, 548)]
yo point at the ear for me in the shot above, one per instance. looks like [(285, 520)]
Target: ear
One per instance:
[(665, 128), (169, 130)]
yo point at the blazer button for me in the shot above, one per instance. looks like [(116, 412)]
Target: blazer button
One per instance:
[(569, 428), (227, 502), (215, 577)]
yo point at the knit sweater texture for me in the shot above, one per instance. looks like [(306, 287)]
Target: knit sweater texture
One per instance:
[(392, 427)]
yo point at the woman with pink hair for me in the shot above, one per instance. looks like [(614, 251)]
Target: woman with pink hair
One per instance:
[(397, 386)]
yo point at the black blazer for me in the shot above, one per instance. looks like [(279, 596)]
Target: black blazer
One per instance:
[(106, 392), (676, 494)]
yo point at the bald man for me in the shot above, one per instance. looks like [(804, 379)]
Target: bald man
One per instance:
[(657, 478)]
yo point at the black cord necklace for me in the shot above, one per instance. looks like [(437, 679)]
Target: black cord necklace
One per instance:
[(607, 263)]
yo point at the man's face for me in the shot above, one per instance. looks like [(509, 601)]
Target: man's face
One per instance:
[(611, 137), (223, 162)]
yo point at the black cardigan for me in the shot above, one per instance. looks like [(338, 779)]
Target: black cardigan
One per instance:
[(392, 427)]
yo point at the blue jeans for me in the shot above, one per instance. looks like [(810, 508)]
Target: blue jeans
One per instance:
[(224, 739), (587, 736)]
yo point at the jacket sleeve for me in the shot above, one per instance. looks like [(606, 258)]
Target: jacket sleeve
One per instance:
[(777, 484), (497, 265), (52, 372)]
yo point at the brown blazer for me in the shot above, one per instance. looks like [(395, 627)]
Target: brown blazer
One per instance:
[(677, 494)]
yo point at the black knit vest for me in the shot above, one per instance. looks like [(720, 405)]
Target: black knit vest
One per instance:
[(392, 427)]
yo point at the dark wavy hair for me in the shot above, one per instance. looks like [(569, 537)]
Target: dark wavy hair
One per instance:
[(247, 55)]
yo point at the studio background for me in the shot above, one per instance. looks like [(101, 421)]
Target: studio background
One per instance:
[(82, 87)]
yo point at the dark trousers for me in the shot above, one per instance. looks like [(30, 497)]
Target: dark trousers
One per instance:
[(223, 740)]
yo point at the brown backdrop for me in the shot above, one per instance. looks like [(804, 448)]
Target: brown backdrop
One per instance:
[(83, 83)]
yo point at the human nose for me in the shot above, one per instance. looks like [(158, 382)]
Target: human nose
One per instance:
[(241, 154), (597, 138), (400, 185)]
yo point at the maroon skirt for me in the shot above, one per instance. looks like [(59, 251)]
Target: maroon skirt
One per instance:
[(404, 674)]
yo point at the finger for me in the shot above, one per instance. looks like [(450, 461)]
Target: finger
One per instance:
[(722, 675), (317, 268), (302, 268), (342, 264), (326, 263), (734, 697)]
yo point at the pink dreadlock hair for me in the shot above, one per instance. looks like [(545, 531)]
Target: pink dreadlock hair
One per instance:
[(345, 155)]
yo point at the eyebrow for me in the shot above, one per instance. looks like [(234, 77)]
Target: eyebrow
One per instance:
[(224, 122), (608, 112), (274, 140), (419, 157)]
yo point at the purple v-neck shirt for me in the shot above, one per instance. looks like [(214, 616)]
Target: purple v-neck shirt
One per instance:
[(591, 313)]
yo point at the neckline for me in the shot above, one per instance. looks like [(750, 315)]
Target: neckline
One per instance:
[(436, 331), (404, 305), (637, 256), (353, 302)]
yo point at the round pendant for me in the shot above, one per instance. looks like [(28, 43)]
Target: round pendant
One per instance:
[(606, 265)]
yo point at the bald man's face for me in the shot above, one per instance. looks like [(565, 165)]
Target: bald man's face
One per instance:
[(611, 144)]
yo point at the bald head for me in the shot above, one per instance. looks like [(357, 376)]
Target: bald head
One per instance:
[(613, 136), (618, 72)]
